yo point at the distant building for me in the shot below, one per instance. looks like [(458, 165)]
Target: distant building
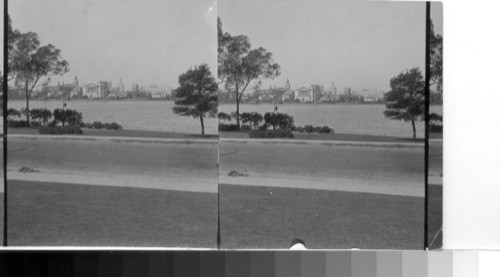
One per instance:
[(120, 86), (58, 91), (304, 94), (347, 91), (76, 92), (96, 90), (135, 88), (289, 95), (318, 91)]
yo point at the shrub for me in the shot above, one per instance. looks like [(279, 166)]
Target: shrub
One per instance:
[(222, 116), (253, 118), (313, 129), (270, 134), (100, 125), (41, 115), (280, 120), (325, 129), (436, 128), (263, 127), (11, 113), (60, 130), (67, 117), (114, 126), (309, 129), (228, 127), (97, 125), (245, 128), (18, 124)]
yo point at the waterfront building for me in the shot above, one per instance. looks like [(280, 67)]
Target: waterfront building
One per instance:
[(288, 96), (318, 91), (120, 86), (96, 90), (304, 94), (57, 91)]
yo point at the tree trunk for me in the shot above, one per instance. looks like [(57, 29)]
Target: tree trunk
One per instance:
[(27, 106), (202, 125), (414, 130), (237, 110)]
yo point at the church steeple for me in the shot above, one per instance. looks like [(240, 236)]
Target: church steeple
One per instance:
[(75, 82)]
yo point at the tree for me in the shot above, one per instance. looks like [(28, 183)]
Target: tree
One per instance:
[(406, 99), (67, 117), (224, 116), (436, 59), (239, 65), (11, 113), (41, 115), (280, 120), (29, 62), (196, 94), (435, 119), (254, 118)]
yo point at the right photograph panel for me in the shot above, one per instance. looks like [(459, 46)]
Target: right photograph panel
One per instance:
[(321, 124)]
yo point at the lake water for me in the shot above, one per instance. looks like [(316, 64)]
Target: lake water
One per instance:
[(134, 115), (158, 116), (346, 119)]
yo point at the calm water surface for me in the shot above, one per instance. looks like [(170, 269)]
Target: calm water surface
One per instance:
[(133, 115), (158, 116), (346, 119)]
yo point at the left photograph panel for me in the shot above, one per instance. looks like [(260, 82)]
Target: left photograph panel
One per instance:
[(112, 135)]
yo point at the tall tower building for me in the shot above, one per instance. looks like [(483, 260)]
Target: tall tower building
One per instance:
[(287, 86), (121, 86), (75, 83)]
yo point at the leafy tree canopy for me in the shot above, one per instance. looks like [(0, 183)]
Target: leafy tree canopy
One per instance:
[(436, 59), (406, 99), (239, 65), (196, 94)]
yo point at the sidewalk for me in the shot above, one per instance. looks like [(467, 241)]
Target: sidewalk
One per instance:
[(177, 182)]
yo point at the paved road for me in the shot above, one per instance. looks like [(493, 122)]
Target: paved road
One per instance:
[(177, 166), (385, 170)]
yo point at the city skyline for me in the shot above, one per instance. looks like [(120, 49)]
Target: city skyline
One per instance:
[(148, 42), (356, 44)]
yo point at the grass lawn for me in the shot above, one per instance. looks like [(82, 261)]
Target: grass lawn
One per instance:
[(433, 135), (120, 133), (45, 214), (1, 218), (269, 217), (333, 137), (435, 215)]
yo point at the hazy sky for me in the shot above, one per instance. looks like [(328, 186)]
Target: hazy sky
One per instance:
[(354, 44), (142, 41)]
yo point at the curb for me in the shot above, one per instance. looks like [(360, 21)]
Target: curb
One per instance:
[(113, 139), (325, 142)]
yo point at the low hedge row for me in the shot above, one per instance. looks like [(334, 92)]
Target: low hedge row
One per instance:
[(270, 134), (233, 127), (436, 128), (60, 130), (100, 125), (22, 124), (314, 129)]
